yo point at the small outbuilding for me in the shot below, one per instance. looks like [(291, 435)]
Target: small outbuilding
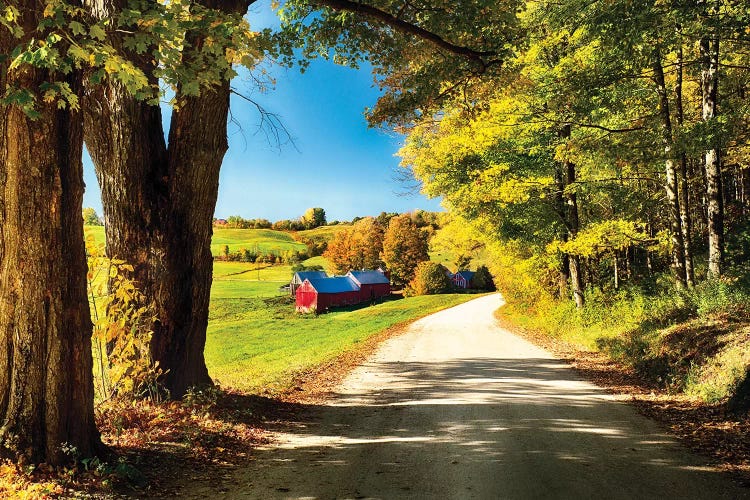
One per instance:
[(373, 284), (462, 279), (318, 295), (300, 276)]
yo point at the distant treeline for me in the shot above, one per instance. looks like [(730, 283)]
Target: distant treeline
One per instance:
[(271, 257)]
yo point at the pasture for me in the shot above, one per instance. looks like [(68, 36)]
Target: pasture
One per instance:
[(256, 342), (260, 240)]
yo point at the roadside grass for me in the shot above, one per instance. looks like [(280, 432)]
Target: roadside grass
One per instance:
[(258, 344), (262, 240), (696, 342)]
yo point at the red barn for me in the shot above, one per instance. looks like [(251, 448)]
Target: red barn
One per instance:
[(373, 284), (317, 295)]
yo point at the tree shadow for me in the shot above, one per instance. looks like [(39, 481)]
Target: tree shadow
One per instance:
[(467, 428)]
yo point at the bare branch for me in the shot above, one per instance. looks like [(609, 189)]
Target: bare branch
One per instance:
[(270, 124)]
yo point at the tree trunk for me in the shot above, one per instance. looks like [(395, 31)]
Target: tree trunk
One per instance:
[(571, 199), (709, 49), (670, 184), (46, 377), (198, 142), (559, 207), (682, 174), (159, 204)]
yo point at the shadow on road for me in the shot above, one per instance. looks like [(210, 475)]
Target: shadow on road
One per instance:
[(475, 428)]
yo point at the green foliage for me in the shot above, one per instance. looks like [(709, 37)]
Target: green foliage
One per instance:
[(91, 218), (482, 280), (302, 267), (720, 296), (430, 278), (237, 222), (68, 38), (415, 74), (314, 217)]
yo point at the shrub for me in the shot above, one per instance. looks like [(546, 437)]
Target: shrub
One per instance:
[(429, 278), (719, 296)]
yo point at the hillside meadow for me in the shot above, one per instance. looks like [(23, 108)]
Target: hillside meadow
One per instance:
[(261, 240), (256, 342)]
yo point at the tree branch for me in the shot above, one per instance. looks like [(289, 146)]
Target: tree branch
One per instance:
[(409, 29)]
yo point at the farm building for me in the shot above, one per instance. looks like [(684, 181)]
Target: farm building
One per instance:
[(301, 276), (462, 279), (373, 284), (317, 295)]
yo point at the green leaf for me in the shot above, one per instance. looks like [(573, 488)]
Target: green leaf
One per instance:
[(77, 28), (97, 32)]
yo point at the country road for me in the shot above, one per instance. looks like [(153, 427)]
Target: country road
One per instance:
[(458, 408)]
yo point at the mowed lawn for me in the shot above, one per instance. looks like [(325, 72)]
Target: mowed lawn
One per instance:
[(257, 343)]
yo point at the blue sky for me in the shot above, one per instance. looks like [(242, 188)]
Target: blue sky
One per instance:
[(339, 163)]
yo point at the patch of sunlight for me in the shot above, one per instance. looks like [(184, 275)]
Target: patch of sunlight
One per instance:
[(293, 442), (575, 426)]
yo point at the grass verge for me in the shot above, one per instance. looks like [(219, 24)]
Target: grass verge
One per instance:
[(260, 345)]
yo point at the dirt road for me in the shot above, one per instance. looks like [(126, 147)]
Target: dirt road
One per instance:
[(460, 408)]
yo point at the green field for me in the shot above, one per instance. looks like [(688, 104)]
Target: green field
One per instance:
[(259, 344), (262, 240), (322, 233), (256, 342), (94, 234)]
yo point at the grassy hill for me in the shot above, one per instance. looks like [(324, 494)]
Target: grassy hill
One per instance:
[(264, 240), (322, 233), (256, 342)]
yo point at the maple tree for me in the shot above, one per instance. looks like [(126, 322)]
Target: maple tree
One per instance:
[(356, 247), (404, 247)]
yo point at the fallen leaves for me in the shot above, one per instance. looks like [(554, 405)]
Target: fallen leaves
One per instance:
[(707, 429)]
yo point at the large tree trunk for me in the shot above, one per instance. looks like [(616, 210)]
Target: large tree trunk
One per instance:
[(670, 184), (159, 203), (46, 378), (197, 144), (709, 48)]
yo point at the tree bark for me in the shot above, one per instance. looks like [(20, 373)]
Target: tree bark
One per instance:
[(682, 174), (670, 184), (709, 50), (46, 377), (571, 200), (560, 209), (159, 204)]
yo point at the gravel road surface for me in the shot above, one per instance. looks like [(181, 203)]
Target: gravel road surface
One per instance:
[(459, 408)]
